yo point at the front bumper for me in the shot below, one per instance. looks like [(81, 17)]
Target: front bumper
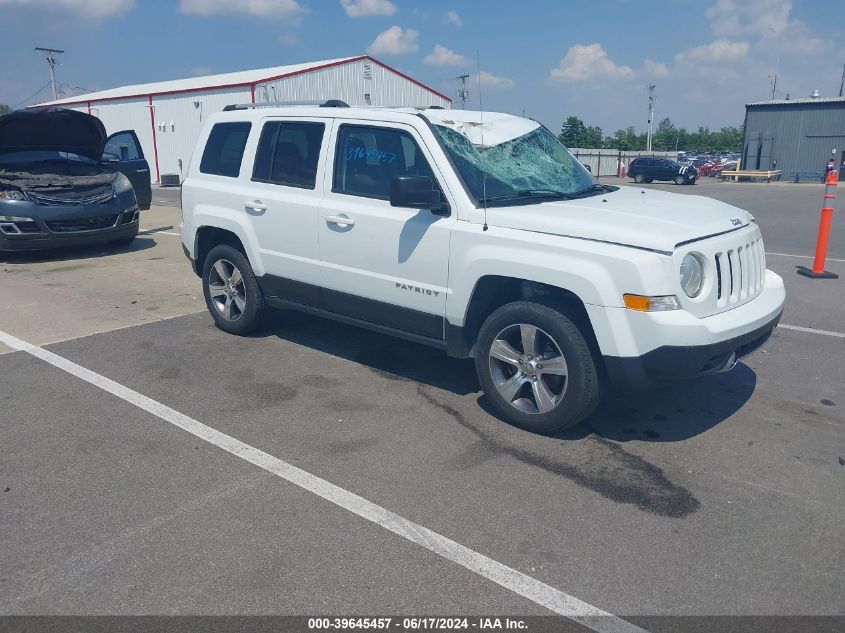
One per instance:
[(672, 362), (65, 225), (666, 346)]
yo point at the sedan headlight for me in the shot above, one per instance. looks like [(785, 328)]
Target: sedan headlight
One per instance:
[(692, 274), (12, 194), (121, 184)]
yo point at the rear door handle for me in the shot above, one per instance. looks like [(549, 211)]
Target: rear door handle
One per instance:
[(255, 204), (340, 220)]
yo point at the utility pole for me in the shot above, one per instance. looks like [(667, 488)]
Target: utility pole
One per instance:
[(842, 82), (651, 99), (51, 60), (463, 93), (775, 80)]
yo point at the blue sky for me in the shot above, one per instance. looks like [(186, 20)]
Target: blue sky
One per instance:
[(548, 58)]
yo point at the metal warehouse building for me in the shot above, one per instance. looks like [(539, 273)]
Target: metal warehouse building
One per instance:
[(167, 116), (796, 136)]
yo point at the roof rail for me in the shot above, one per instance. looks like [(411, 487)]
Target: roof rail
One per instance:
[(322, 103)]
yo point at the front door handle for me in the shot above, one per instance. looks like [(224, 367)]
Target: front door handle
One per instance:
[(340, 220), (255, 204)]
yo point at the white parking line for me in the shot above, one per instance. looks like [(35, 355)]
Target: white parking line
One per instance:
[(507, 577), (810, 330), (158, 233), (829, 259)]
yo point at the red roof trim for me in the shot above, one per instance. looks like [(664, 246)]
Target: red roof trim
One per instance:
[(404, 76), (252, 84)]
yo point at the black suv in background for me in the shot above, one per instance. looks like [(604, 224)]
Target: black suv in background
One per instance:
[(649, 168)]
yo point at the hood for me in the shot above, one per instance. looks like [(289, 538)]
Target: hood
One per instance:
[(53, 129), (651, 219)]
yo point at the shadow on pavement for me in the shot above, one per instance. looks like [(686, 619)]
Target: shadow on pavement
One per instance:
[(89, 251), (669, 414)]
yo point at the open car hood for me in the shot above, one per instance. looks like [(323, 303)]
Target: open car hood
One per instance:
[(53, 129)]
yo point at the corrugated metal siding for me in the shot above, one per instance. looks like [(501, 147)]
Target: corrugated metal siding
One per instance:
[(350, 83), (793, 137), (179, 122)]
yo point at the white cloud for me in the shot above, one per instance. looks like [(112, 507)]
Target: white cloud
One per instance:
[(88, 8), (590, 61), (395, 41), (490, 80), (366, 8), (283, 9), (442, 56), (658, 69), (716, 52), (453, 18), (768, 20), (287, 39), (201, 71)]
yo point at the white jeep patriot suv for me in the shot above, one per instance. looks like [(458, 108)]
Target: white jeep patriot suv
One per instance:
[(477, 233)]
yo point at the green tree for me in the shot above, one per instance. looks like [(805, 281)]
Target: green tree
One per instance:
[(4, 109), (574, 133)]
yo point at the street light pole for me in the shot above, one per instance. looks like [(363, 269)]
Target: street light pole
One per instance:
[(651, 100)]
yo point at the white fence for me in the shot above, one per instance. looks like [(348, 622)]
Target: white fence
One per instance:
[(605, 162)]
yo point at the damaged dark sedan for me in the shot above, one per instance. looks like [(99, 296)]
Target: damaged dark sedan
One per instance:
[(58, 188)]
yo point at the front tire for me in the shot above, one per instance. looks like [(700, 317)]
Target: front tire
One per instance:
[(536, 367), (680, 179), (231, 291)]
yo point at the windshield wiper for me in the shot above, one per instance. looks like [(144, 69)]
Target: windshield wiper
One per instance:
[(594, 187), (530, 193)]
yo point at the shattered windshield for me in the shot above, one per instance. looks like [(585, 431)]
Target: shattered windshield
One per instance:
[(532, 166)]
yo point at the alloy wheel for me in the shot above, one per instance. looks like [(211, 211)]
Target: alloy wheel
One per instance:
[(528, 368), (226, 289)]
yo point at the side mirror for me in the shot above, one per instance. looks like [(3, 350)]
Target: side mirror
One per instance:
[(110, 158), (417, 192)]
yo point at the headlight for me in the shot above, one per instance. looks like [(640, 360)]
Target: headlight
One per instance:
[(12, 194), (121, 184), (692, 274)]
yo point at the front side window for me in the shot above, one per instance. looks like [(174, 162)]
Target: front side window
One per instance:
[(124, 146), (224, 149), (368, 158), (288, 153)]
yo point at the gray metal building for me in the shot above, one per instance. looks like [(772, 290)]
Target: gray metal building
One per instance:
[(796, 136)]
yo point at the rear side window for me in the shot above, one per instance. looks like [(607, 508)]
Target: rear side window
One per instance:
[(288, 153), (224, 149)]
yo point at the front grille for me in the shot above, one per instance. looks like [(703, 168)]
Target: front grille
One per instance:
[(740, 273), (76, 225), (52, 200)]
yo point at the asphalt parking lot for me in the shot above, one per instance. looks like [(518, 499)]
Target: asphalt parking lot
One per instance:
[(722, 496)]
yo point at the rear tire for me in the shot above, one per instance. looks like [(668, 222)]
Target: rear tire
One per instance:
[(639, 178), (231, 291), (536, 367)]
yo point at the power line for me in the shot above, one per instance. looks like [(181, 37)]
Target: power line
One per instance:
[(34, 94)]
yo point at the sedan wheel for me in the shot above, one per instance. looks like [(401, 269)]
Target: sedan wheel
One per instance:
[(528, 368), (226, 289)]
